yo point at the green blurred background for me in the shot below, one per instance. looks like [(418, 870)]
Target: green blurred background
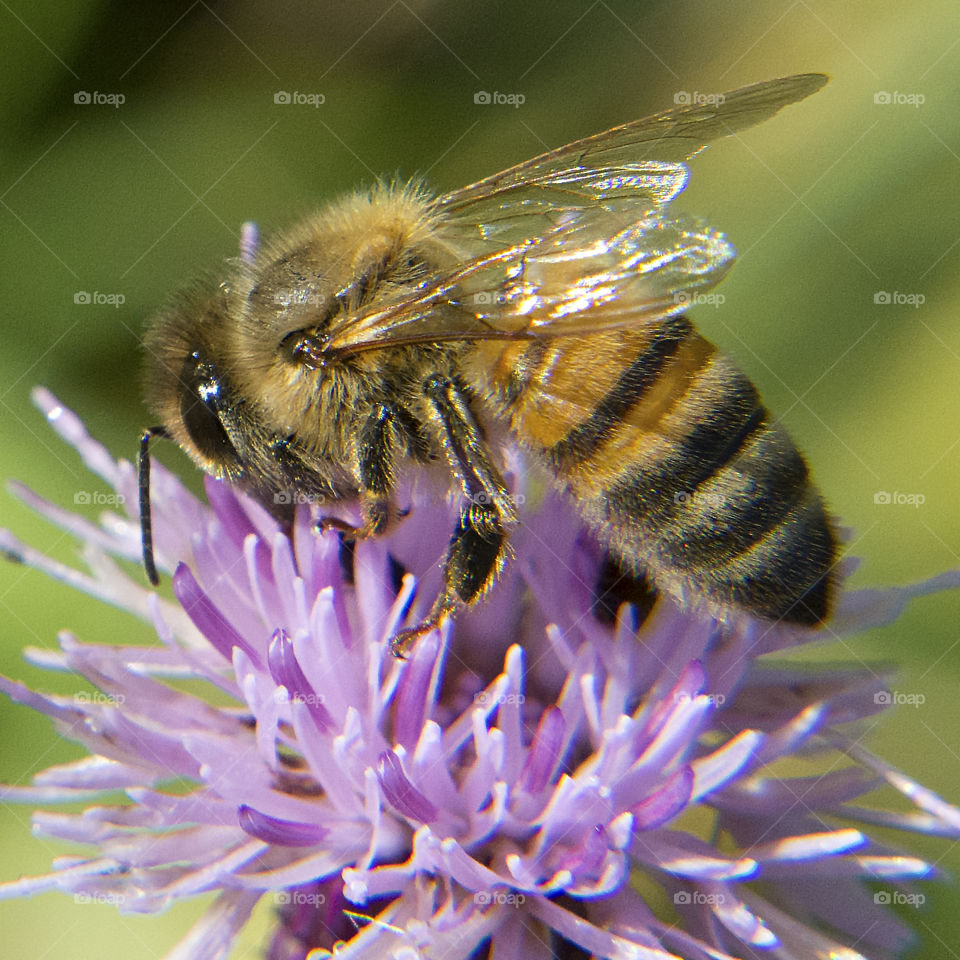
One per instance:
[(831, 203)]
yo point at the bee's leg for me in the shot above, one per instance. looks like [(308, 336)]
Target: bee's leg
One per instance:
[(479, 545), (377, 454)]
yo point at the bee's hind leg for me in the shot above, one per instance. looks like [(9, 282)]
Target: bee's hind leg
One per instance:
[(479, 546)]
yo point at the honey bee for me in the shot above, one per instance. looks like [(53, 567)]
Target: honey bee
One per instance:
[(545, 303)]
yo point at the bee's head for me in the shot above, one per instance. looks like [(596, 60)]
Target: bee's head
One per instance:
[(186, 387), (189, 394), (189, 384)]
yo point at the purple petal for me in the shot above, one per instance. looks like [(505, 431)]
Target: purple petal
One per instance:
[(488, 804), (721, 766), (249, 241), (223, 500), (666, 803), (286, 672), (811, 846), (687, 856), (742, 922), (212, 936), (586, 859), (66, 423), (401, 794), (593, 939), (413, 703), (545, 751), (286, 833), (208, 619)]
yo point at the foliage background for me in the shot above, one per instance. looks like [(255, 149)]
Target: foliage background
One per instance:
[(834, 201)]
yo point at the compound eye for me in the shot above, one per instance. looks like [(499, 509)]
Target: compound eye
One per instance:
[(203, 398)]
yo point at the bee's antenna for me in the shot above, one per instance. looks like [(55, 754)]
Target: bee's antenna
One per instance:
[(146, 520)]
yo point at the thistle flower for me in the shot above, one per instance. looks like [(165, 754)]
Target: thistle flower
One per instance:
[(529, 780)]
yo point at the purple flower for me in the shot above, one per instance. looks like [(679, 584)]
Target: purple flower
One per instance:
[(530, 776)]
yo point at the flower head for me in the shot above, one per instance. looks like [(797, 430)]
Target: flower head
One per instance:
[(528, 777)]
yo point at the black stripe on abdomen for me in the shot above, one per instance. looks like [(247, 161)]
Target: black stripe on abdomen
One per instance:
[(658, 492), (750, 531), (788, 574), (631, 386), (741, 503)]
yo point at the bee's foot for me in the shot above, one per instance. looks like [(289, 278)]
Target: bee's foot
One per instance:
[(404, 641), (341, 526)]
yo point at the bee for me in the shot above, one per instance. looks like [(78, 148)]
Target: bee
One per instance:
[(544, 304)]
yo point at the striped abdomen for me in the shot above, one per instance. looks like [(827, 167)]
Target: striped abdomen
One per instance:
[(672, 457)]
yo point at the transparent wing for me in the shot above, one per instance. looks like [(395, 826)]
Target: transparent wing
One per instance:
[(602, 268), (577, 239), (643, 158)]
